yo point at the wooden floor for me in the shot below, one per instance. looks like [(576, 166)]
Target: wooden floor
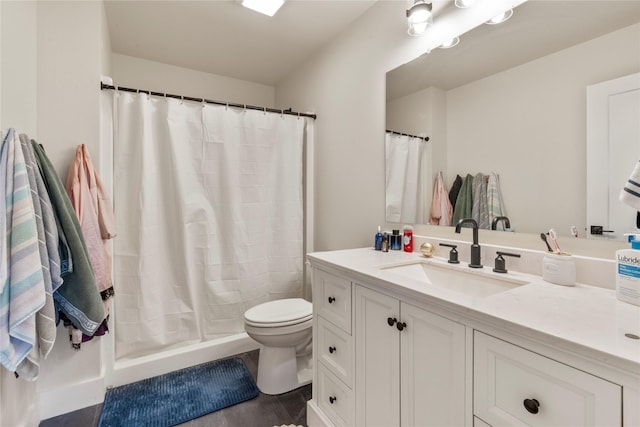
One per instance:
[(263, 411)]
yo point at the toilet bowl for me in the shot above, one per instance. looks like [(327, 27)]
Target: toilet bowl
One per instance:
[(283, 329)]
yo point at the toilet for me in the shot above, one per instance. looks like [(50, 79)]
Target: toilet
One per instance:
[(283, 329)]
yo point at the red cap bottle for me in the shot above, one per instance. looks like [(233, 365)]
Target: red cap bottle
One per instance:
[(407, 238)]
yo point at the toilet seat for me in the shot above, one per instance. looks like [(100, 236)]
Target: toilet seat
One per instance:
[(278, 313)]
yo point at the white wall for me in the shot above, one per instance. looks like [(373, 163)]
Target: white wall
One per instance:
[(18, 75), (345, 85), (137, 73), (51, 65), (528, 124)]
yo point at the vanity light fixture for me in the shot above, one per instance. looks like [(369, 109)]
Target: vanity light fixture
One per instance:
[(266, 7), (462, 4), (419, 17), (450, 43), (499, 19)]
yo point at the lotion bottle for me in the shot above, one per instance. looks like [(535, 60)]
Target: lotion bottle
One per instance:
[(628, 271)]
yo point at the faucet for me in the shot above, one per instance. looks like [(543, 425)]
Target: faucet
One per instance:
[(475, 247), (494, 223)]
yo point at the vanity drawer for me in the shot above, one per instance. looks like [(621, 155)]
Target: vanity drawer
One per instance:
[(333, 298), (516, 387), (334, 398), (335, 350)]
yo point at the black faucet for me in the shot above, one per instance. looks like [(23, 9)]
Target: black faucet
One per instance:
[(475, 247), (494, 223)]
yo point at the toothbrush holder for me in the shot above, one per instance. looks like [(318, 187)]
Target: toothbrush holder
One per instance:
[(559, 268)]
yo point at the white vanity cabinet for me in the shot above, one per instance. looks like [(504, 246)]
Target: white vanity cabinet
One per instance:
[(410, 368), (516, 387), (391, 354)]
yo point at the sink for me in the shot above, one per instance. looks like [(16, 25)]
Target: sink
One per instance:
[(474, 283)]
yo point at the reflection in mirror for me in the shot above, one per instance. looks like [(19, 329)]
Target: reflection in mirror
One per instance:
[(511, 99)]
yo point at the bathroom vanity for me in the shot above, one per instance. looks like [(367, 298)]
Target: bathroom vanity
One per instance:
[(403, 340)]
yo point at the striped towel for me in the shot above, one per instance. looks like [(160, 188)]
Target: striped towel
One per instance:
[(46, 316), (494, 199), (23, 294), (630, 193), (480, 211)]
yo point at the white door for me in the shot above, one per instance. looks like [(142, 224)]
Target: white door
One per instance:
[(377, 355), (432, 369), (613, 149)]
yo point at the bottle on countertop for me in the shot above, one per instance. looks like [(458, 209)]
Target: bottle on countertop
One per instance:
[(628, 271), (407, 238), (396, 241), (385, 242), (378, 240)]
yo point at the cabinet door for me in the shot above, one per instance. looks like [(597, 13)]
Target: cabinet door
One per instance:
[(377, 355), (432, 369)]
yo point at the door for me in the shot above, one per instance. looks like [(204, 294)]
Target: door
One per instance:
[(432, 369), (377, 359)]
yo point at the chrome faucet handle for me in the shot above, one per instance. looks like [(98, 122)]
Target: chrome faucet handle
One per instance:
[(501, 263)]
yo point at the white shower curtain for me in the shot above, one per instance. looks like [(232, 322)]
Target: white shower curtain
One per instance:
[(407, 191), (209, 205)]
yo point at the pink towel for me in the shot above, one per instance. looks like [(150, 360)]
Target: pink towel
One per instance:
[(93, 208), (441, 211)]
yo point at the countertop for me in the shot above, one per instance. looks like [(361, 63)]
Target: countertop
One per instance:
[(580, 318)]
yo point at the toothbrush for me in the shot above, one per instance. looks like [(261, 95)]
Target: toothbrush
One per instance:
[(554, 239)]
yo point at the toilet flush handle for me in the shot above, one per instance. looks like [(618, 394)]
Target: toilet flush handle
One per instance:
[(331, 300)]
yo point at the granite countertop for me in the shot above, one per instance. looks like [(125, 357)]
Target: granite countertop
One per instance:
[(584, 319)]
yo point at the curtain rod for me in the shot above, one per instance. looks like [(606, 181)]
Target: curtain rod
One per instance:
[(208, 101), (424, 138)]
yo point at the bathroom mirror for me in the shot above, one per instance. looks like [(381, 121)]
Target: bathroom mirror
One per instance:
[(511, 99)]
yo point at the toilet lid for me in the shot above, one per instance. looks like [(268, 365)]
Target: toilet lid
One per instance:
[(292, 310)]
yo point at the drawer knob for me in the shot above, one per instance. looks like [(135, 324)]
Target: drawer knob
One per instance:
[(401, 326), (391, 321), (332, 349), (332, 399), (531, 405), (331, 300)]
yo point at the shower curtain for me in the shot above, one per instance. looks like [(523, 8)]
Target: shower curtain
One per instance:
[(209, 207), (407, 190)]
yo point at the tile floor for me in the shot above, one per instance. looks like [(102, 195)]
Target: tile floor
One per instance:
[(263, 411)]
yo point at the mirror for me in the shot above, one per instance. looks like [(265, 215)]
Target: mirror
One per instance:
[(511, 99)]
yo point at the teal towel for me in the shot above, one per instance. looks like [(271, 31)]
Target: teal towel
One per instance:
[(78, 297)]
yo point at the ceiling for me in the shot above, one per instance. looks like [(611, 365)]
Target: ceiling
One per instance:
[(222, 37), (537, 28)]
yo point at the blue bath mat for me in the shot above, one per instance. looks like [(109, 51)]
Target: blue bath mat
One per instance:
[(178, 396)]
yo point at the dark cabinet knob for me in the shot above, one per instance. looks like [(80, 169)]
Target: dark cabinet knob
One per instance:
[(391, 321), (332, 399), (401, 326), (331, 300), (332, 349), (531, 405)]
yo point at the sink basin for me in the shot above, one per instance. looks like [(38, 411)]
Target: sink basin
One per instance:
[(469, 282)]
